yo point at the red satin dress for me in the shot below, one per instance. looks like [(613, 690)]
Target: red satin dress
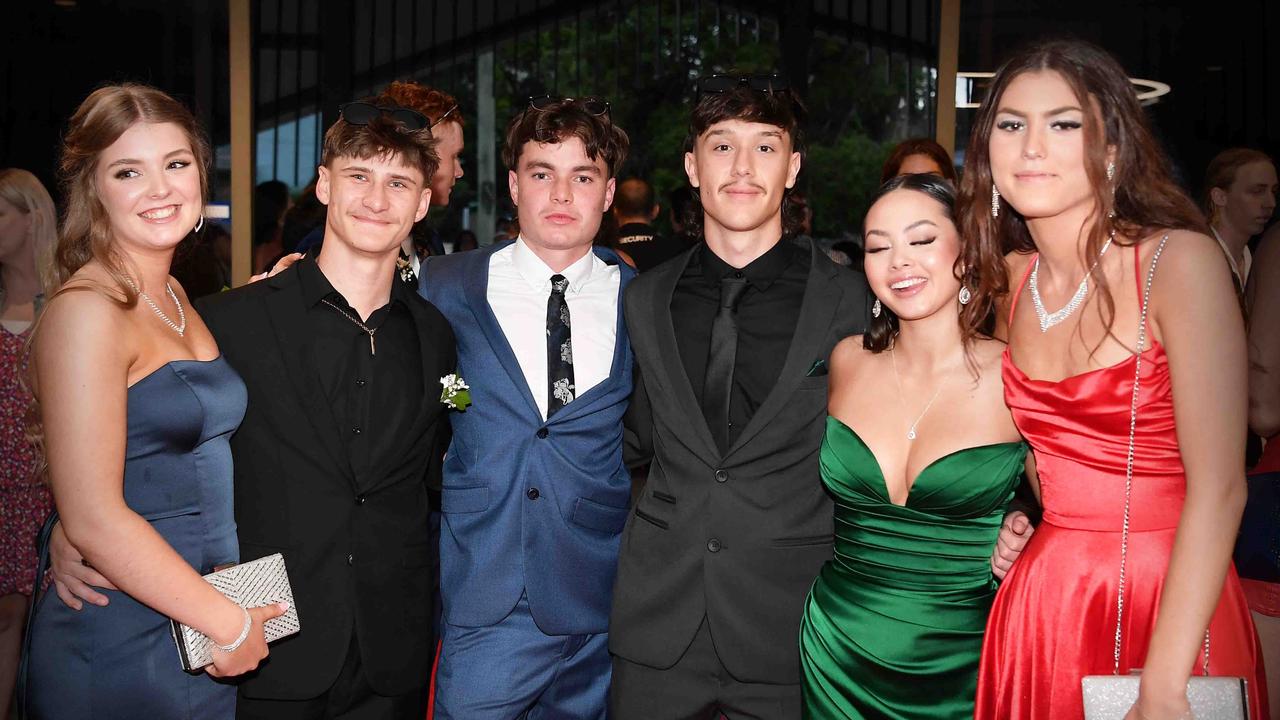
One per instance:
[(1054, 617)]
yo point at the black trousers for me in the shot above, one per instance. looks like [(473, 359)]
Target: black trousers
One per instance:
[(697, 687), (349, 698)]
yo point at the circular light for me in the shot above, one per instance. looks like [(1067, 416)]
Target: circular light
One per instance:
[(1149, 91)]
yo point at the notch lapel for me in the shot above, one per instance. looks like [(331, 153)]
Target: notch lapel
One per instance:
[(477, 292), (817, 309), (286, 311)]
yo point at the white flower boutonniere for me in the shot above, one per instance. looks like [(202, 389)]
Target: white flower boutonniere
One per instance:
[(456, 393)]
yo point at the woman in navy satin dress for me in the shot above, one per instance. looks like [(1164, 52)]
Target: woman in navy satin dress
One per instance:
[(136, 409)]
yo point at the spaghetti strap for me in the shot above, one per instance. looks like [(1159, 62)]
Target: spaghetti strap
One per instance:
[(1013, 302)]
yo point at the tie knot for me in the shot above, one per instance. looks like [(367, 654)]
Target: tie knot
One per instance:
[(559, 283), (730, 290)]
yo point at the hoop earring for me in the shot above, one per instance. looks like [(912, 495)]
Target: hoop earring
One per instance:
[(995, 201), (875, 309), (199, 225), (965, 295)]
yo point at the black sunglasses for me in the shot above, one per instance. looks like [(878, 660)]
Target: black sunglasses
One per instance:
[(443, 117), (590, 105), (363, 113), (715, 84)]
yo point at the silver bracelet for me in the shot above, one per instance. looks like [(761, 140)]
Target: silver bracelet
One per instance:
[(244, 634)]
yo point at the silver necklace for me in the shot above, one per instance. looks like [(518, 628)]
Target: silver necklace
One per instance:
[(1049, 319), (911, 431), (179, 327), (368, 330)]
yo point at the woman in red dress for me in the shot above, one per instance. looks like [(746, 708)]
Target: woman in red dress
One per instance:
[(1063, 174)]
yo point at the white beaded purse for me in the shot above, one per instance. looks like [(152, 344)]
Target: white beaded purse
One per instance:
[(254, 584)]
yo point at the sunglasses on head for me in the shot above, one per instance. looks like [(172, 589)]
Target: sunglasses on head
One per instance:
[(363, 113), (590, 105), (715, 84), (445, 116)]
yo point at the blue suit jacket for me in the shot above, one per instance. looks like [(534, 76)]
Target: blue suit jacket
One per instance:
[(498, 537)]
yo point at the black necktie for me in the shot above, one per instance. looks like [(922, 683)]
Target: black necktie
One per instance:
[(720, 361), (560, 389)]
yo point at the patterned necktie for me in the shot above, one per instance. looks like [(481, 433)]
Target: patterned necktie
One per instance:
[(560, 389), (722, 356)]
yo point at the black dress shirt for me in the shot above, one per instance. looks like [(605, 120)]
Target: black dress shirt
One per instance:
[(374, 392), (767, 314)]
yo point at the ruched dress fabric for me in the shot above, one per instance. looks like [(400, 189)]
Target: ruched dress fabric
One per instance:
[(1054, 617), (893, 624), (120, 662)]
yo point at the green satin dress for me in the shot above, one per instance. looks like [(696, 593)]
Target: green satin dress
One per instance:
[(893, 625)]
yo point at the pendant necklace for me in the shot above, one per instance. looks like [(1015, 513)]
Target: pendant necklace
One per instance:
[(911, 431), (369, 331), (179, 327), (1049, 319)]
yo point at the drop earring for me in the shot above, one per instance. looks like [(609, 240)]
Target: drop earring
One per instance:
[(995, 201), (965, 295), (1111, 171), (875, 309)]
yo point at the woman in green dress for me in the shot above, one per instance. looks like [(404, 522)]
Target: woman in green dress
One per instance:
[(922, 458)]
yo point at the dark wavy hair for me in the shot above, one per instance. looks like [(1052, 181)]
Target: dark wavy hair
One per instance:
[(1142, 194), (782, 108), (976, 318), (560, 120)]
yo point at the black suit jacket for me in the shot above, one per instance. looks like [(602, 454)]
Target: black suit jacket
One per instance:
[(736, 537), (356, 548)]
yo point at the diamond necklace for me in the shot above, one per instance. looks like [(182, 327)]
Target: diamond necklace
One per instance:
[(179, 327), (911, 431), (1049, 319)]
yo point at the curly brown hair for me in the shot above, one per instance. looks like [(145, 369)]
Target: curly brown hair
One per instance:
[(381, 137), (560, 120)]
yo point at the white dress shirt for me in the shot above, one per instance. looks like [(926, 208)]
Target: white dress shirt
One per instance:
[(519, 287)]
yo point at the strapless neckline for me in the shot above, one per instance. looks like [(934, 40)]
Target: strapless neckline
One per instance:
[(884, 484), (179, 361)]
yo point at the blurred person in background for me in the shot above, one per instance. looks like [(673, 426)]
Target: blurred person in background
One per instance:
[(680, 202), (466, 241), (1239, 198), (919, 155), (28, 233), (1257, 552), (271, 202), (634, 209)]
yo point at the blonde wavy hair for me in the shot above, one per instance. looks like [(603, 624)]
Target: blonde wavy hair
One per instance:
[(25, 192)]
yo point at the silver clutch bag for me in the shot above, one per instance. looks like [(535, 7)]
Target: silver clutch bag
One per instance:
[(250, 585), (1109, 697)]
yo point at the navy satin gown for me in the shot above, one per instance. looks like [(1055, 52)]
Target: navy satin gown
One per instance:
[(120, 661)]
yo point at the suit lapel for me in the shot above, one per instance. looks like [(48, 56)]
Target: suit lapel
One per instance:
[(477, 291), (672, 374), (821, 298), (286, 310)]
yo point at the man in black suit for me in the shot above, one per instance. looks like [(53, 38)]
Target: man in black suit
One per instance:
[(731, 341), (341, 439)]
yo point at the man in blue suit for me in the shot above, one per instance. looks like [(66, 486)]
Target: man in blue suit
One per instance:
[(535, 491)]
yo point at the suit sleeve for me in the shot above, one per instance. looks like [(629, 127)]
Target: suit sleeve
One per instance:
[(637, 425)]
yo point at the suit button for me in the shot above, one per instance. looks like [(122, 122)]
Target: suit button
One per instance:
[(722, 475), (543, 433), (713, 545), (360, 499), (533, 493), (359, 383), (351, 559), (355, 431)]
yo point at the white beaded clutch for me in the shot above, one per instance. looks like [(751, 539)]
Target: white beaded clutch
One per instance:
[(1109, 697), (253, 584)]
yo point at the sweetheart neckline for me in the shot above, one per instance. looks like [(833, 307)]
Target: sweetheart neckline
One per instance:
[(884, 483), (195, 361)]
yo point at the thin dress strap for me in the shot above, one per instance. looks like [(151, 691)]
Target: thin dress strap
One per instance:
[(1013, 302), (1144, 293)]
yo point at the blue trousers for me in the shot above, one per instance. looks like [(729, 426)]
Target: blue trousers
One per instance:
[(513, 671)]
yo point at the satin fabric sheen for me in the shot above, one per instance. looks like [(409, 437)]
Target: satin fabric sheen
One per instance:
[(1054, 616), (893, 625)]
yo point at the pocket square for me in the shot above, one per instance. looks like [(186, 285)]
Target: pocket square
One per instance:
[(817, 369)]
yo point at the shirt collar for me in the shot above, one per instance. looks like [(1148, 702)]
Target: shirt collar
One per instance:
[(316, 287), (761, 272), (538, 274)]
